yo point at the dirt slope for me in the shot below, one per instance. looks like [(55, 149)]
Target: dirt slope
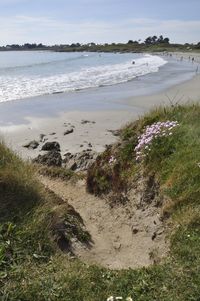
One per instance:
[(128, 235)]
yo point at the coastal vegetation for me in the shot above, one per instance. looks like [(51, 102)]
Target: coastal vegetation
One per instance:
[(37, 226), (150, 44)]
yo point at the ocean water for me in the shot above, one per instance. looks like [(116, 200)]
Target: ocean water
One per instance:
[(26, 74)]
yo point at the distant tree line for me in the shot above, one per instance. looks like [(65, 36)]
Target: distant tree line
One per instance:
[(25, 46), (131, 44)]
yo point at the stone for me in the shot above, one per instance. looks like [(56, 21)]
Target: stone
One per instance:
[(153, 235), (52, 158), (79, 161), (114, 132), (87, 121), (42, 137), (69, 131), (135, 230), (68, 156), (51, 146), (32, 144)]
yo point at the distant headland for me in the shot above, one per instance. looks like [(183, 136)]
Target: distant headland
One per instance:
[(150, 44)]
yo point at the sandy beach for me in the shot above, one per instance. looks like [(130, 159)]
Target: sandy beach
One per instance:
[(92, 123)]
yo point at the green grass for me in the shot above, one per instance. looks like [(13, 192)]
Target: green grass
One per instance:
[(19, 190), (33, 268), (137, 48), (173, 160)]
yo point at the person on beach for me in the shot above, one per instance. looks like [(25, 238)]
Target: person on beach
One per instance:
[(193, 60)]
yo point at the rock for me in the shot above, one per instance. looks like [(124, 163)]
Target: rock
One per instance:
[(68, 124), (52, 158), (31, 145), (73, 166), (68, 156), (108, 146), (80, 161), (52, 133), (87, 121), (51, 146), (42, 137), (135, 230), (89, 144), (153, 235), (114, 132), (69, 131)]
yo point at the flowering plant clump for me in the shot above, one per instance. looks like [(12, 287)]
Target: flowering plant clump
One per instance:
[(151, 133), (111, 298), (112, 160)]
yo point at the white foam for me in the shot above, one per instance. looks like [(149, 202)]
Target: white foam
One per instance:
[(17, 87)]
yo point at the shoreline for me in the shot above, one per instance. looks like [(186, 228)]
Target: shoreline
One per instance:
[(174, 72), (92, 120)]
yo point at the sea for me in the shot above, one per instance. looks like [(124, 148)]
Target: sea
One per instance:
[(46, 83), (25, 74)]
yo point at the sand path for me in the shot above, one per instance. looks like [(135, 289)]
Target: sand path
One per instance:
[(122, 236)]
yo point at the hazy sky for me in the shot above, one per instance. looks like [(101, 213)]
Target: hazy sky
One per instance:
[(67, 21)]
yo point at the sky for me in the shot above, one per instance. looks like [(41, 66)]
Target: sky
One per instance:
[(100, 21)]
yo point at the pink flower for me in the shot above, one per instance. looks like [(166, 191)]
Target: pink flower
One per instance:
[(151, 133)]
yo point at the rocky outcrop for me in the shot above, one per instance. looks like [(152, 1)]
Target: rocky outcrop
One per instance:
[(76, 162), (80, 161), (52, 158)]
